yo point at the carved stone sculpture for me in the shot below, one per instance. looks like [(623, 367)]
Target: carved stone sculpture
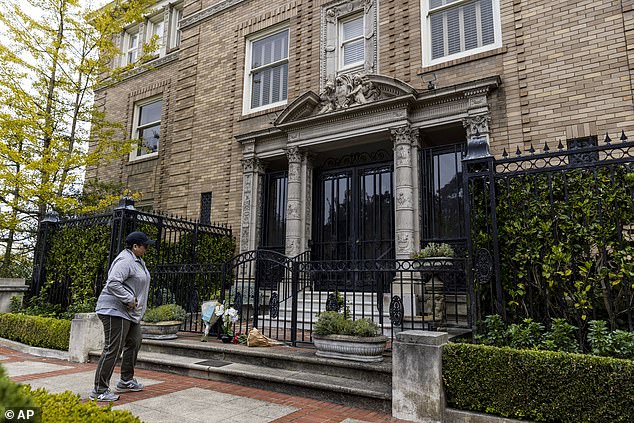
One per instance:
[(347, 91)]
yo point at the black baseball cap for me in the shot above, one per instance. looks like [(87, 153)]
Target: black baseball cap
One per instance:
[(138, 238)]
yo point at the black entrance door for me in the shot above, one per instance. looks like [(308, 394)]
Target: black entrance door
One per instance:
[(354, 213)]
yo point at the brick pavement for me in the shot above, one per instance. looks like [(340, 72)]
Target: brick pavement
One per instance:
[(262, 405)]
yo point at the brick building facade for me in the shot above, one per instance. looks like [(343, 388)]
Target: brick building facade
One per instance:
[(339, 125)]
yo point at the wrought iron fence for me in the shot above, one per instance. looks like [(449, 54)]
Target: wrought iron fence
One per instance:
[(181, 263), (551, 232), (283, 296)]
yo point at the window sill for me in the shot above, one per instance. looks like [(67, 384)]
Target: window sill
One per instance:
[(142, 159), (275, 110), (461, 60)]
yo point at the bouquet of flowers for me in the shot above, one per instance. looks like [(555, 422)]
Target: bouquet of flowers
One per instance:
[(229, 316)]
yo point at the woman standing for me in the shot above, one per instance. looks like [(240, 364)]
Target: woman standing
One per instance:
[(120, 307)]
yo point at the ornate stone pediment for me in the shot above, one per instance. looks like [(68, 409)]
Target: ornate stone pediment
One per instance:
[(346, 92)]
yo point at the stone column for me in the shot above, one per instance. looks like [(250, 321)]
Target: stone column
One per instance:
[(294, 202), (404, 216), (417, 388), (250, 223), (406, 287), (307, 201)]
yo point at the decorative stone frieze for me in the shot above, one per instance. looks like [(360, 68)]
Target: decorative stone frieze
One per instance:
[(347, 91)]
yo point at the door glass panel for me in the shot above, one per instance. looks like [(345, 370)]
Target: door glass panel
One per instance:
[(275, 195), (442, 195)]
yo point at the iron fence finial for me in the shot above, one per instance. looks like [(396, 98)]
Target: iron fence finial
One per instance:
[(623, 136), (607, 140), (546, 147)]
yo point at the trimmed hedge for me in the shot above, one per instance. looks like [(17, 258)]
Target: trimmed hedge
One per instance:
[(542, 386), (66, 407), (36, 331)]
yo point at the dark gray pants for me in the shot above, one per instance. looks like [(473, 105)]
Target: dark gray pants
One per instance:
[(120, 335)]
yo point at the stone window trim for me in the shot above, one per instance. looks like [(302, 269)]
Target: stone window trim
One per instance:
[(169, 15), (247, 89), (426, 43), (131, 41), (138, 106), (143, 95), (331, 16)]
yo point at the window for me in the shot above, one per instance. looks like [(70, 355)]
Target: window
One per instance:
[(458, 28), (155, 27), (175, 33), (348, 42), (130, 45), (266, 71), (351, 42), (147, 128), (205, 208)]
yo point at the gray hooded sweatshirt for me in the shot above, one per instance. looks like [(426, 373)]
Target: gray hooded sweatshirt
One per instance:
[(128, 278)]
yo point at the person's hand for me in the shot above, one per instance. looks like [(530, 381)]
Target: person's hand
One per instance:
[(133, 305)]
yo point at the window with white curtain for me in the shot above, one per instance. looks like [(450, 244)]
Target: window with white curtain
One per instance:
[(459, 28), (266, 71), (351, 41)]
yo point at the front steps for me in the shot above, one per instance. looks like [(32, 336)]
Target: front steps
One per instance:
[(284, 369)]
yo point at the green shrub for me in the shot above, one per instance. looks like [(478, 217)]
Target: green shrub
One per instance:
[(561, 337), (11, 395), (164, 313), (541, 386), (66, 407), (36, 331), (619, 344), (333, 323), (435, 250), (364, 327)]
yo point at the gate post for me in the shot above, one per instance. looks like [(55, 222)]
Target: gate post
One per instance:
[(479, 164), (119, 228), (47, 226)]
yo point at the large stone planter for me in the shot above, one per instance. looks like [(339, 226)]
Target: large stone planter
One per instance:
[(355, 348), (160, 330)]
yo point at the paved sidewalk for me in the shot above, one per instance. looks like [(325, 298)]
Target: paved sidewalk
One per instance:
[(172, 398)]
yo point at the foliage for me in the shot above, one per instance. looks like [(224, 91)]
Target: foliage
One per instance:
[(541, 386), (36, 331), (435, 250), (561, 336), (333, 323), (164, 313), (562, 249), (11, 395), (67, 407), (53, 55), (618, 344), (76, 261)]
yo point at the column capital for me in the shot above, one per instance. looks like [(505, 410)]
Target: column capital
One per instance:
[(252, 164), (294, 155), (404, 135), (476, 125)]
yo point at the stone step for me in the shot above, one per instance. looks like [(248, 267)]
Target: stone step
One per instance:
[(282, 369)]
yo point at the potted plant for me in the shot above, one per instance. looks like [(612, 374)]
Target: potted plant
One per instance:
[(433, 257), (334, 336), (229, 316), (439, 252), (162, 322)]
